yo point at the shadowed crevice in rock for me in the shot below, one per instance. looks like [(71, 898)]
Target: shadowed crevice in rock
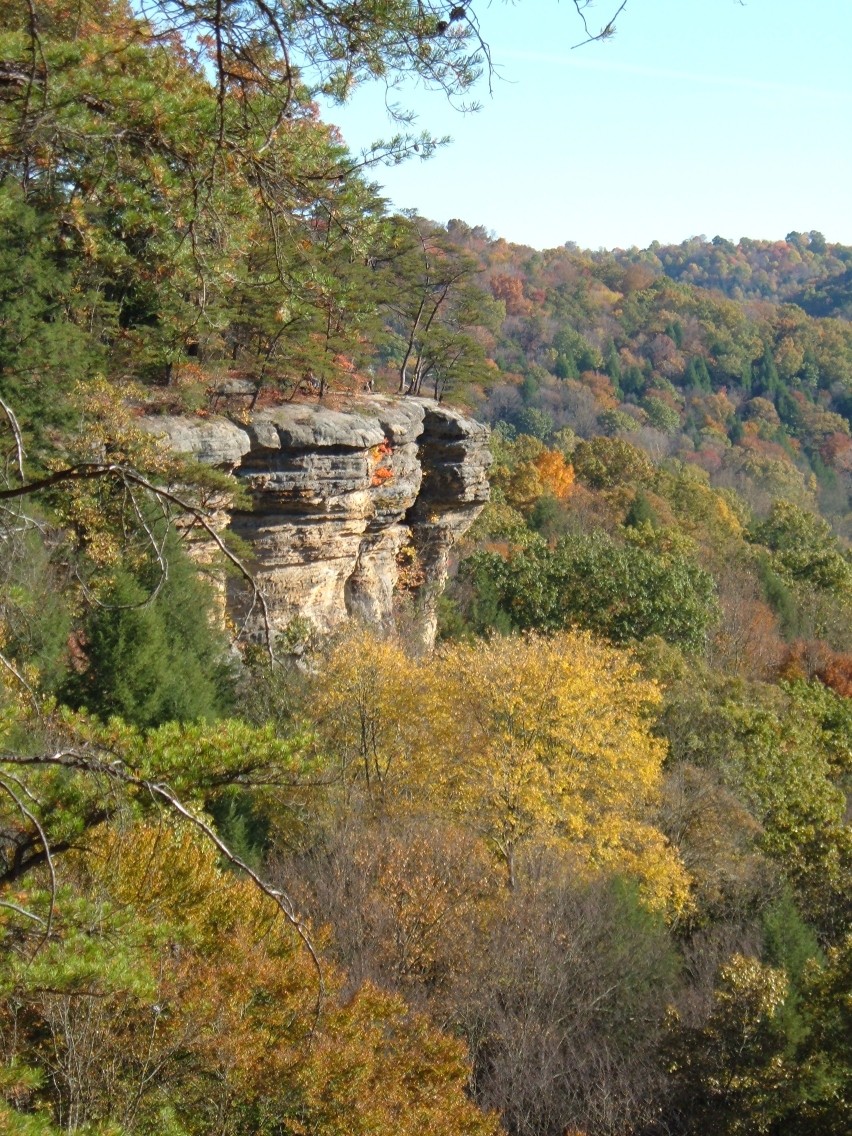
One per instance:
[(336, 494), (454, 458)]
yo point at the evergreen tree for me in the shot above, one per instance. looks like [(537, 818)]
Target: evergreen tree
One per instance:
[(566, 367), (697, 374), (633, 381), (747, 378), (153, 660), (640, 512), (766, 373), (810, 369), (612, 367), (787, 407), (42, 351)]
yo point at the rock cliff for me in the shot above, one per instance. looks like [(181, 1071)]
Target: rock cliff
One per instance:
[(337, 495)]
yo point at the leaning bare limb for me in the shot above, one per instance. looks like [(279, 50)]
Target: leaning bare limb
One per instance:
[(88, 471), (23, 911), (85, 471), (34, 821), (606, 32), (19, 440), (116, 770)]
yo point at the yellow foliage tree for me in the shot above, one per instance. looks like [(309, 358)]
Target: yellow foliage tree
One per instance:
[(366, 706), (548, 740), (523, 741)]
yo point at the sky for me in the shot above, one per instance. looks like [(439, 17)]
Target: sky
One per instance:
[(699, 117)]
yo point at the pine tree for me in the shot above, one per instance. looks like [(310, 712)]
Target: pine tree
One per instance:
[(767, 379), (640, 512), (697, 374), (153, 660), (566, 367), (810, 368), (612, 367), (42, 351), (633, 381), (747, 377)]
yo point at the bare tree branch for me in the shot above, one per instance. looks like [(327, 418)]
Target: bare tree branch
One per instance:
[(116, 770), (22, 911), (606, 32), (20, 454), (34, 821), (85, 471)]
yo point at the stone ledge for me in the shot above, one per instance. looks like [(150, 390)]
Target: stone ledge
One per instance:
[(337, 493)]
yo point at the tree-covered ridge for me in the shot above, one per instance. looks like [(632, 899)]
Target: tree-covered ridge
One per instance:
[(584, 869), (803, 269), (756, 393)]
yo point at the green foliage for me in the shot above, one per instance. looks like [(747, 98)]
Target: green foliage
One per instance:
[(612, 366), (43, 351), (611, 421), (242, 825), (640, 512), (804, 548), (576, 349), (433, 307), (730, 1075), (549, 517), (605, 462), (697, 375), (565, 367), (172, 270), (152, 656), (824, 1056), (633, 380), (35, 608), (621, 592), (785, 754), (788, 942), (661, 415), (535, 423), (766, 379), (779, 595)]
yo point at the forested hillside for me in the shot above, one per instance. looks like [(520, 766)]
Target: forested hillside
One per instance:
[(584, 869)]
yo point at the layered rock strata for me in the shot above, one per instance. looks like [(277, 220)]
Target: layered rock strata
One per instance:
[(336, 494)]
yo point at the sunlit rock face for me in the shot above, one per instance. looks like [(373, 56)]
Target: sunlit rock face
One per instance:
[(336, 494)]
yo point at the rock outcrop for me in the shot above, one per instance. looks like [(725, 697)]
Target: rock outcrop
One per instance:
[(337, 494)]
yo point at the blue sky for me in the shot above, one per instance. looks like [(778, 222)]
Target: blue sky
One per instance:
[(700, 116)]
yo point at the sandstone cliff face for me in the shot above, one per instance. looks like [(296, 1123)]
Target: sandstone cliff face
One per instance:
[(337, 493)]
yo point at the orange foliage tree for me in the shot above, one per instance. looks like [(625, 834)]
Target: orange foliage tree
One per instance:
[(556, 474), (175, 1003)]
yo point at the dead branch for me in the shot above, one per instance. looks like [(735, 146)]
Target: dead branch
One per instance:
[(87, 471), (116, 770), (606, 32)]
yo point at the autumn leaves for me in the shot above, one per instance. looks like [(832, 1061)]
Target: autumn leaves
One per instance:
[(522, 742)]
